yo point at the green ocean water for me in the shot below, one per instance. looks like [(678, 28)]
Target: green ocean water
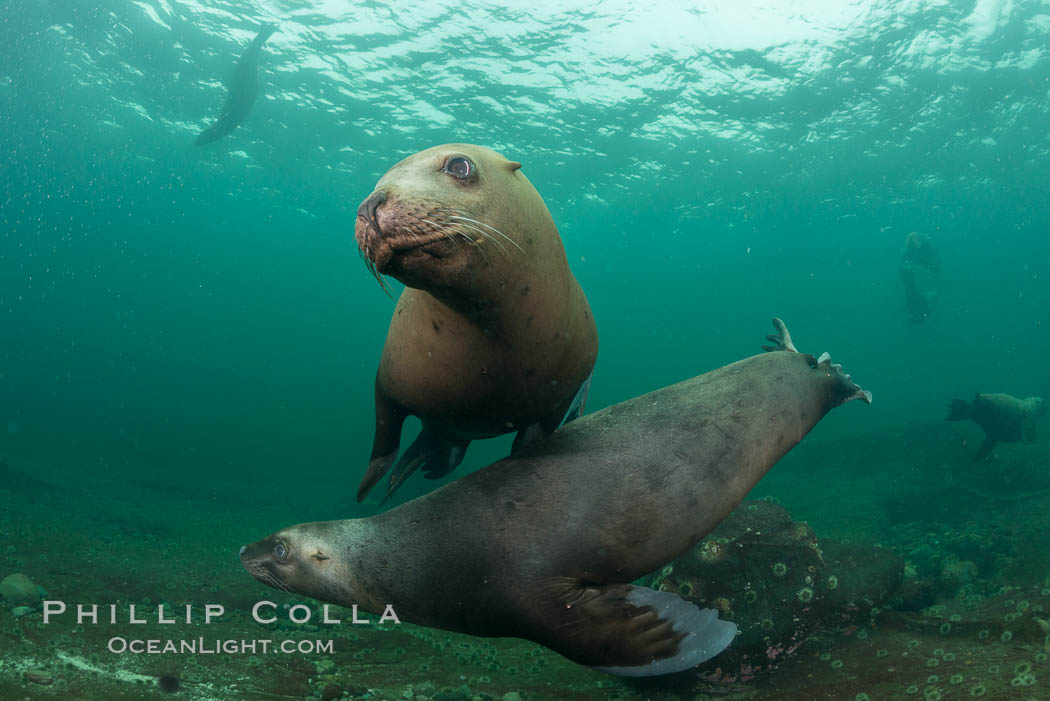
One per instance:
[(188, 337)]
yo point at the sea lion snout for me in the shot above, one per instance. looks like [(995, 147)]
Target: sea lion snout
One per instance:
[(367, 210)]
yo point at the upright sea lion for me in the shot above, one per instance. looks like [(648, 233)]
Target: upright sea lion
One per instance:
[(917, 301), (919, 252), (918, 263), (242, 89), (492, 333), (544, 544), (1000, 416)]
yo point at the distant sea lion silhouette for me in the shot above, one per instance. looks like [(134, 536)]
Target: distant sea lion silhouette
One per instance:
[(492, 333), (1001, 417), (919, 251), (544, 544), (919, 258), (241, 88), (918, 302)]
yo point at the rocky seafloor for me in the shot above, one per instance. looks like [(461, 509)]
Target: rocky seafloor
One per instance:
[(888, 567)]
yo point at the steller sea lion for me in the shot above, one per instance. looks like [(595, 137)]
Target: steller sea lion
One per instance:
[(492, 333), (241, 88), (544, 544), (919, 252), (1000, 416)]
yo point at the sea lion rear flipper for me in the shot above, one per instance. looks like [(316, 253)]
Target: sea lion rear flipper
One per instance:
[(565, 412), (628, 630), (960, 410), (985, 449), (432, 452), (579, 402), (1028, 428)]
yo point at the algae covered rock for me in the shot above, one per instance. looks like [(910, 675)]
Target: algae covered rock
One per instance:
[(19, 590), (779, 584)]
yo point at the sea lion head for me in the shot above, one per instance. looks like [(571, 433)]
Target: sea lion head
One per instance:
[(1036, 405), (441, 218), (301, 560)]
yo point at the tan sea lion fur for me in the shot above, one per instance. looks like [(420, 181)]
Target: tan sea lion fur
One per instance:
[(493, 333), (545, 544)]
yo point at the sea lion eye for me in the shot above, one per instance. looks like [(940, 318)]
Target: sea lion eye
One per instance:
[(280, 551), (459, 167)]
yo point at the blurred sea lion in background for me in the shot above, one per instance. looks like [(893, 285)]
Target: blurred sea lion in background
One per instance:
[(919, 251), (1001, 417), (919, 261), (493, 333), (918, 302), (242, 89)]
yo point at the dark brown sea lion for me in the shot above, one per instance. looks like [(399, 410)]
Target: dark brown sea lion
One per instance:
[(1000, 416), (492, 334), (544, 544)]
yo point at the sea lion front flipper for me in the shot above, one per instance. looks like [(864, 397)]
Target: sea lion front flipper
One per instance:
[(626, 630), (390, 417), (1028, 427), (985, 449)]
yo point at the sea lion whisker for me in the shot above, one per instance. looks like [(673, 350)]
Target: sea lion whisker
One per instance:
[(451, 233), (480, 232), (481, 249), (491, 228), (485, 235)]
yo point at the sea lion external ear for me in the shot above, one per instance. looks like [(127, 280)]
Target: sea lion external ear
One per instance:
[(319, 556), (513, 165)]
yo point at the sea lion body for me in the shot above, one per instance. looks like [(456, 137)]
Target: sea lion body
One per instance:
[(242, 89), (1001, 417), (493, 333), (543, 545), (919, 251)]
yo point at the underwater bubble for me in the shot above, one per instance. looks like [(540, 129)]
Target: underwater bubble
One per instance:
[(1007, 636), (837, 664), (978, 690), (945, 628), (956, 679)]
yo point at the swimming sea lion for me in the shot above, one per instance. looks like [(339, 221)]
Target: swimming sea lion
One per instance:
[(544, 544), (493, 333), (241, 90), (919, 252), (1000, 416), (917, 301)]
